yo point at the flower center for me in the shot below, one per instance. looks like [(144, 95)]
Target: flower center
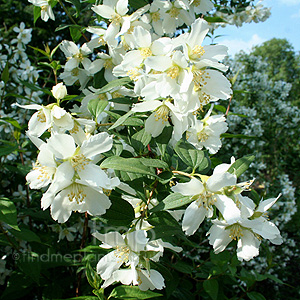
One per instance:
[(235, 232), (174, 12), (202, 136), (79, 56), (133, 73), (155, 16), (162, 112), (206, 199), (122, 252), (76, 193), (116, 19), (41, 116), (79, 162), (108, 64), (197, 51), (173, 72), (196, 2), (200, 78), (145, 52)]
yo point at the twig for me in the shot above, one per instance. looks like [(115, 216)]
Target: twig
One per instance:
[(228, 107)]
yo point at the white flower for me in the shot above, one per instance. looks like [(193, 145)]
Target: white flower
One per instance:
[(46, 9), (50, 116), (75, 56), (207, 194), (206, 133), (77, 183), (130, 251), (59, 91), (248, 230)]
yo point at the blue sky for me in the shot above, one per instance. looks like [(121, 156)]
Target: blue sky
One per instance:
[(284, 22)]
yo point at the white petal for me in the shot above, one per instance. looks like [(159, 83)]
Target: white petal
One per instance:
[(62, 145), (108, 264), (219, 180), (137, 240), (99, 143), (247, 246), (113, 238), (191, 188), (228, 209), (193, 217)]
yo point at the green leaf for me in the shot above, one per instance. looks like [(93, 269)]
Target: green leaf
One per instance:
[(132, 292), (214, 20), (75, 32), (113, 84), (211, 287), (96, 107), (255, 296), (132, 165), (11, 121), (77, 5), (220, 108), (189, 154), (36, 13), (25, 235), (183, 267), (8, 213), (241, 165), (5, 73), (163, 139), (140, 140), (40, 50), (136, 4), (174, 200), (93, 278), (165, 225), (155, 163), (238, 136), (31, 267), (121, 120), (7, 149), (121, 212), (133, 121)]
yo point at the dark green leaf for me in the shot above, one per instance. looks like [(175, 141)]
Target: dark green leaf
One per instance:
[(174, 200), (140, 140), (36, 13), (120, 213), (113, 84), (136, 4), (96, 107), (189, 154), (163, 139), (165, 224), (93, 278), (31, 267), (121, 120), (211, 287), (8, 213), (255, 296), (155, 163), (75, 33), (237, 136), (132, 292), (241, 165), (11, 121), (25, 234), (132, 165), (5, 73)]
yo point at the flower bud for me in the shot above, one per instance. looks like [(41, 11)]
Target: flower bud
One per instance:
[(59, 91)]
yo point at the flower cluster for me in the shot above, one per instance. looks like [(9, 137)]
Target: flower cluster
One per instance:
[(170, 80)]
